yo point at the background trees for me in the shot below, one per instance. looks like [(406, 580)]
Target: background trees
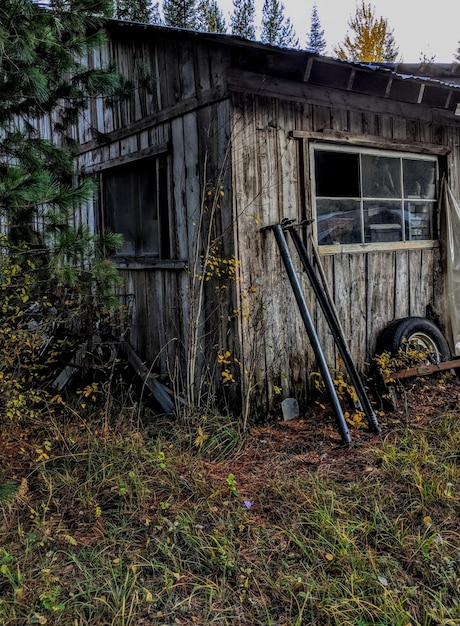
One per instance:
[(202, 15), (133, 10), (277, 30), (315, 38), (242, 20), (370, 38), (181, 13), (210, 17)]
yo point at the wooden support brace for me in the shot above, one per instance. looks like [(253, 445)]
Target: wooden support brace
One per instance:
[(425, 370), (160, 392)]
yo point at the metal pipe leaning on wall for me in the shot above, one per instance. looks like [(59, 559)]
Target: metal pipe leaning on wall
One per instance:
[(363, 404), (309, 326)]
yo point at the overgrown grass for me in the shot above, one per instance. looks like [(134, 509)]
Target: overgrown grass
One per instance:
[(138, 521)]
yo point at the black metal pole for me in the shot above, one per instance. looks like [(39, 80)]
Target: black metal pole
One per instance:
[(334, 325), (307, 320)]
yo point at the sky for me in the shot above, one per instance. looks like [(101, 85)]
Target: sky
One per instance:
[(431, 27)]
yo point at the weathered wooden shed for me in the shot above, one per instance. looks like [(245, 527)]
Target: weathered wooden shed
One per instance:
[(223, 137)]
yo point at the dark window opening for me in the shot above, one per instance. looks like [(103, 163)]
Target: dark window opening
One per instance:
[(136, 205), (337, 174)]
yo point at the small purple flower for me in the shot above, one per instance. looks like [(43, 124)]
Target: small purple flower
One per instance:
[(248, 504)]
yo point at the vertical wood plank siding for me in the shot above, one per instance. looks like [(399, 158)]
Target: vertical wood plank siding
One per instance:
[(369, 288), (199, 159), (239, 145)]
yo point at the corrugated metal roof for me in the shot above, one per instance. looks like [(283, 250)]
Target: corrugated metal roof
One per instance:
[(426, 84)]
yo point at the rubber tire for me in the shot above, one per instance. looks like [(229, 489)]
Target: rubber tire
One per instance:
[(399, 332)]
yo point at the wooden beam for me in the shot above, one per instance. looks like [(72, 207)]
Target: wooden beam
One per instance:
[(151, 151), (389, 84), (204, 99), (373, 141), (160, 392), (420, 94), (69, 371), (264, 85), (306, 76), (351, 80), (425, 370)]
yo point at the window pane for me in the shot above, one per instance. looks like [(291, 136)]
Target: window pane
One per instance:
[(131, 204), (337, 174), (338, 222), (368, 196), (120, 213), (163, 207), (419, 220), (419, 179), (148, 210), (381, 176), (383, 221)]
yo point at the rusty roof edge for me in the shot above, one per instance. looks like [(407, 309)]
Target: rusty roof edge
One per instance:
[(405, 71), (427, 72)]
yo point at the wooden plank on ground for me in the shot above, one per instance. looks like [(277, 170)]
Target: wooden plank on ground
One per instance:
[(425, 370), (159, 391)]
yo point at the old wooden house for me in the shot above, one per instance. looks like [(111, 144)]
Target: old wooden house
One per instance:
[(223, 137)]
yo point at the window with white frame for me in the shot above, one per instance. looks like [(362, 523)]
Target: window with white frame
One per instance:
[(135, 199), (368, 196)]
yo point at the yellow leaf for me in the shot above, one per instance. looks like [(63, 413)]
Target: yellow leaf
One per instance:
[(71, 540), (101, 599), (148, 595), (201, 438)]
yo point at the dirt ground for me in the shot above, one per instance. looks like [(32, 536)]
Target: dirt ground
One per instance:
[(309, 443), (312, 443)]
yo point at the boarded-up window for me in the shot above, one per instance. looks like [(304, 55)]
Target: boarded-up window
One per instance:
[(364, 196), (135, 198)]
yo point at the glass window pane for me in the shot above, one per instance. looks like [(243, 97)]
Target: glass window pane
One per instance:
[(337, 174), (381, 176), (419, 220), (382, 221), (419, 178), (338, 222)]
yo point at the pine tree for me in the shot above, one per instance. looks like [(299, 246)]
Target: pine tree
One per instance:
[(39, 73), (426, 59), (371, 39), (181, 13), (210, 17), (133, 10), (276, 29), (315, 38), (242, 19), (155, 17)]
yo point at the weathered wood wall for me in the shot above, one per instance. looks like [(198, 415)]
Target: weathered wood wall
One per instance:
[(240, 162), (181, 323), (271, 178)]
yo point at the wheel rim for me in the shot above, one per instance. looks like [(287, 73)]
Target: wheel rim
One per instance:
[(424, 343)]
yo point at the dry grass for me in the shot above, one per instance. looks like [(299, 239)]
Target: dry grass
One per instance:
[(136, 520)]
